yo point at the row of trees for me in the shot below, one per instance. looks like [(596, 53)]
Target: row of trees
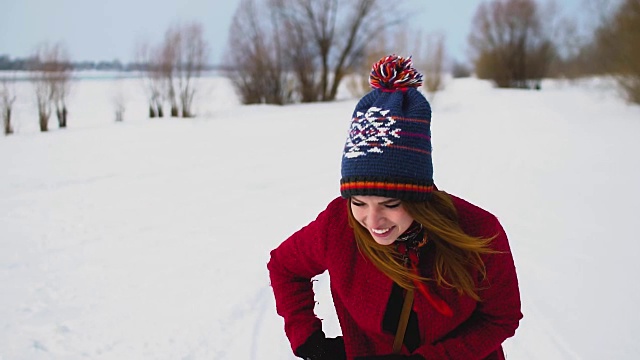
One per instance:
[(516, 43), (170, 71), (26, 64), (618, 36), (300, 50), (283, 51), (286, 51), (50, 75)]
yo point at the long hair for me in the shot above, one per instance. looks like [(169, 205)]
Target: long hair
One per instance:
[(457, 254)]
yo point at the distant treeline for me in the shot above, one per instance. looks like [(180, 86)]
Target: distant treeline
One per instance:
[(26, 64)]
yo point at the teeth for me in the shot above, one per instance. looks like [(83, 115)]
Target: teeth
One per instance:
[(380, 231)]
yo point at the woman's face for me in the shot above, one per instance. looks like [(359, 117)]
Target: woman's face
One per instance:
[(385, 218)]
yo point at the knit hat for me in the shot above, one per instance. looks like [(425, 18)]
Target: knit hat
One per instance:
[(388, 150)]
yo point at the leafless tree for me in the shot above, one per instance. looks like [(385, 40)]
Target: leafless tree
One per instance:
[(40, 78), (331, 36), (60, 82), (195, 57), (510, 43), (299, 53), (431, 57), (427, 52), (119, 100), (302, 46), (257, 68), (581, 51), (51, 75), (183, 57), (168, 62), (147, 57), (7, 98), (358, 81), (619, 37)]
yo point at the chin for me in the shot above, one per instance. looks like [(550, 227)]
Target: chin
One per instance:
[(384, 241)]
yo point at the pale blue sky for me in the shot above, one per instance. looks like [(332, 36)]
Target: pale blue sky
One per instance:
[(109, 29)]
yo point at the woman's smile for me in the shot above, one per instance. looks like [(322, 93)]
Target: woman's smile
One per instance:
[(385, 218)]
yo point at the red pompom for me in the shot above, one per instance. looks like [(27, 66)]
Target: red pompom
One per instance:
[(394, 72)]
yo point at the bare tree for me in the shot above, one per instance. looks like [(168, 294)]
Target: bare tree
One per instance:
[(426, 50), (299, 53), (336, 34), (358, 81), (119, 100), (40, 78), (581, 51), (51, 75), (183, 57), (170, 57), (619, 37), (148, 61), (432, 62), (258, 69), (510, 43), (60, 82), (195, 56), (7, 98)]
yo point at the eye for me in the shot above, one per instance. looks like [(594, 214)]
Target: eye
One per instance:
[(392, 206), (355, 203)]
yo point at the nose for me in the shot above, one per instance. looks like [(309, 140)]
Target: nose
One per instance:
[(374, 217)]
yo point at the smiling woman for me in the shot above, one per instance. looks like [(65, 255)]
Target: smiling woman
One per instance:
[(415, 273)]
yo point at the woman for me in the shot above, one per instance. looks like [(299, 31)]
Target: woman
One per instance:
[(415, 273)]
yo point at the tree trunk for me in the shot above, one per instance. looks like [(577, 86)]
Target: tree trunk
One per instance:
[(44, 122), (64, 117), (7, 122)]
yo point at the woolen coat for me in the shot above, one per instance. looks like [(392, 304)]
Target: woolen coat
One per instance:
[(361, 292)]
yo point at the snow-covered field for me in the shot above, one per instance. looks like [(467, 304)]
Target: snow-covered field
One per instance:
[(148, 239)]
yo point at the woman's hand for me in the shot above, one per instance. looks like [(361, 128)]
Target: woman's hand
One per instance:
[(319, 347)]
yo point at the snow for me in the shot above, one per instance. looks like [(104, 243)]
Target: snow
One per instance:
[(148, 239)]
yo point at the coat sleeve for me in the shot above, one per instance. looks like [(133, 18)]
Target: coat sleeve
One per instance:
[(291, 267), (496, 316)]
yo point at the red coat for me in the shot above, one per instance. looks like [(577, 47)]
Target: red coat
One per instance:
[(361, 292)]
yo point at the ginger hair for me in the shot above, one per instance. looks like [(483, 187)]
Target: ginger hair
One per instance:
[(457, 254)]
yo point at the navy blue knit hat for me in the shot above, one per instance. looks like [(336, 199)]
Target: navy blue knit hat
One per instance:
[(388, 150)]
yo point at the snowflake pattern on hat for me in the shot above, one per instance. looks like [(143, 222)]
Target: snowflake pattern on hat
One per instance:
[(370, 132)]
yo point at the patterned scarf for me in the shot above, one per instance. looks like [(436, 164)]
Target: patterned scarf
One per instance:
[(408, 245)]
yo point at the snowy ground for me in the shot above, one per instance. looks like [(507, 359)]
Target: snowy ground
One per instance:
[(149, 239)]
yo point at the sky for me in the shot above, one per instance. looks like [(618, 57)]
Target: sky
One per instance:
[(107, 30)]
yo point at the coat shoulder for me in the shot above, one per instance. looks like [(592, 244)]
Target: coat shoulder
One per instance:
[(336, 212), (473, 219)]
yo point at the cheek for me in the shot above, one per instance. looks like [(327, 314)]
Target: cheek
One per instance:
[(404, 220), (358, 214)]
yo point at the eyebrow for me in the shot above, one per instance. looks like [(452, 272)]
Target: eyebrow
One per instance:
[(386, 202)]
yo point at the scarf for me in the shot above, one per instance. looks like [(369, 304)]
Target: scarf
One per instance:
[(408, 245)]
